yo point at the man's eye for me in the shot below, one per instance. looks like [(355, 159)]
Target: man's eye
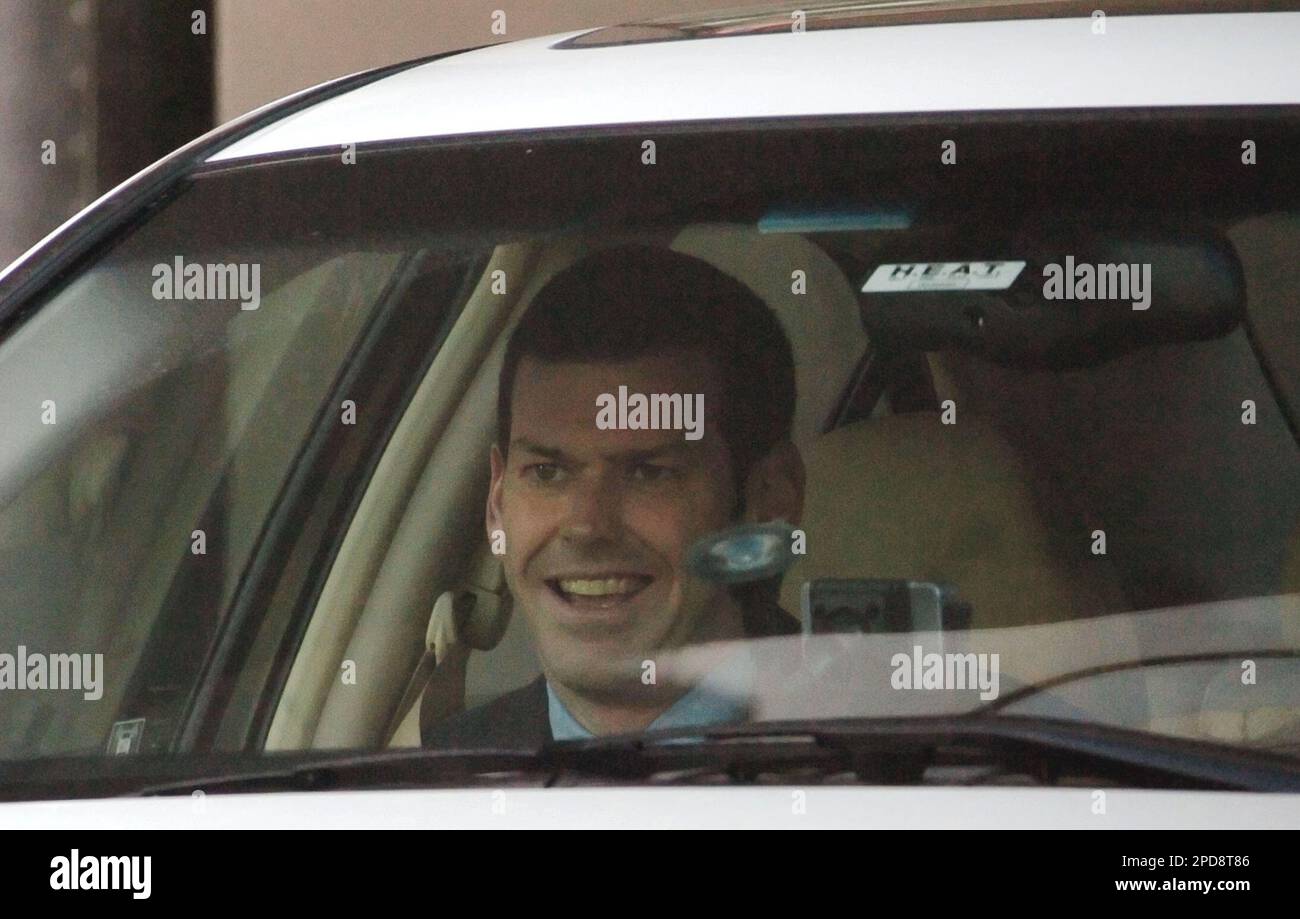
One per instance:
[(543, 472)]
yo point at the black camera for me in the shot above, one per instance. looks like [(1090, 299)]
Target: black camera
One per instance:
[(881, 606)]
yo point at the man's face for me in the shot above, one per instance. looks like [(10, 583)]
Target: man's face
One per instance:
[(597, 522)]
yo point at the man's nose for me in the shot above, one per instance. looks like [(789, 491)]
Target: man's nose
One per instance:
[(595, 509)]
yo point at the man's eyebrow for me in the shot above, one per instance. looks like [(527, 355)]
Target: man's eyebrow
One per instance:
[(554, 453), (675, 448)]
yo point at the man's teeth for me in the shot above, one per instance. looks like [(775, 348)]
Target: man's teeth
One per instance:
[(600, 587)]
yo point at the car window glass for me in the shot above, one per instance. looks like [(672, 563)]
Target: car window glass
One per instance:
[(1015, 463)]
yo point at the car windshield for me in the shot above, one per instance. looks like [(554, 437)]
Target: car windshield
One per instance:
[(484, 446)]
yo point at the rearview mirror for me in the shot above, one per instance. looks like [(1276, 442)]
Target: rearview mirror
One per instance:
[(1052, 294)]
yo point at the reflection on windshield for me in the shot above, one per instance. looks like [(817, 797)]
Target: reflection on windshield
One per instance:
[(1226, 672)]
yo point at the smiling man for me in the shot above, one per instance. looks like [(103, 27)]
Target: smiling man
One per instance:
[(598, 516)]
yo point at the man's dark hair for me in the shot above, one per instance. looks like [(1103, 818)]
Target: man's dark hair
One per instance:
[(627, 302)]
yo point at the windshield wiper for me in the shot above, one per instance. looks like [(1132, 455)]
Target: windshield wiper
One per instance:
[(892, 751), (927, 749)]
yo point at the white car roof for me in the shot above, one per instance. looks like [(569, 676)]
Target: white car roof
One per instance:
[(1139, 61)]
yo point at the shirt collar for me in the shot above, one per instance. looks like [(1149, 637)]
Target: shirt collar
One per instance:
[(699, 706)]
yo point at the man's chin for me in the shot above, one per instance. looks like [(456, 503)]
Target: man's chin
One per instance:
[(596, 669)]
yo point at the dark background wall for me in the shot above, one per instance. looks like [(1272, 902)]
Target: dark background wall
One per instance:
[(116, 84), (90, 93)]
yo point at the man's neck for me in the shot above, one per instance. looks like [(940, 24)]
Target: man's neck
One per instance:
[(616, 716), (637, 709)]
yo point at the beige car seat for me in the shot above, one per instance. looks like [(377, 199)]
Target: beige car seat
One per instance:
[(906, 496)]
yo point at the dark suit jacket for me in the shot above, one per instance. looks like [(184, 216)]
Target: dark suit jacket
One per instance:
[(521, 720)]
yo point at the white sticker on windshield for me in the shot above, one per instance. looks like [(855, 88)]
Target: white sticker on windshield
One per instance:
[(915, 276)]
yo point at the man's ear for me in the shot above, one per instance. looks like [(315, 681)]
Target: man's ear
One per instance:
[(775, 485), (493, 516)]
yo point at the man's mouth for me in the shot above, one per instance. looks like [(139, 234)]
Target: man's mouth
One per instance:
[(598, 591)]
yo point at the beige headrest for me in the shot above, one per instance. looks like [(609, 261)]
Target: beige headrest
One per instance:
[(906, 496), (822, 320)]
